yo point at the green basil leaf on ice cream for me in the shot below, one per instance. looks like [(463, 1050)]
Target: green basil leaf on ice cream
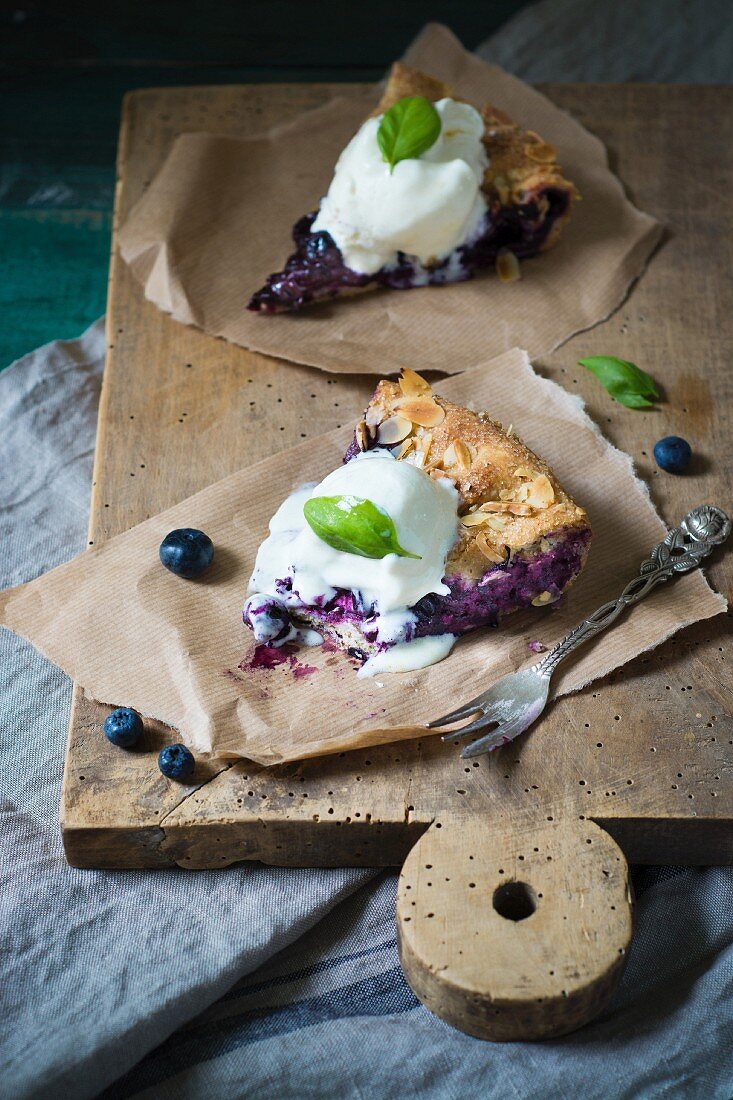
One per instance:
[(407, 130), (354, 526)]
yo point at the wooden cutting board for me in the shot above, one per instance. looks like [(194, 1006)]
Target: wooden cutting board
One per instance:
[(514, 908)]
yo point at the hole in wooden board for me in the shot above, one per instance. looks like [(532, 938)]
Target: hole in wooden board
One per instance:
[(515, 901)]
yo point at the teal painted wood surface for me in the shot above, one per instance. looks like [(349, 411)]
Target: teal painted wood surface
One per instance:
[(65, 68)]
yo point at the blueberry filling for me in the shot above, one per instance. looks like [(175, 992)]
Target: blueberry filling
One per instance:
[(316, 269), (507, 587)]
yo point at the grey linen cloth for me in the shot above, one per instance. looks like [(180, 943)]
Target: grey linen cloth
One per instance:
[(280, 983), (96, 967)]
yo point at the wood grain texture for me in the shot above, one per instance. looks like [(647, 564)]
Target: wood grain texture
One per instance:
[(645, 755)]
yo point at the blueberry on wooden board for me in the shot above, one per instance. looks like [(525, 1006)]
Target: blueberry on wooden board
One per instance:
[(673, 454), (186, 552), (123, 727), (176, 762)]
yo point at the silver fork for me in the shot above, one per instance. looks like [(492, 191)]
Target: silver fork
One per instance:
[(517, 700)]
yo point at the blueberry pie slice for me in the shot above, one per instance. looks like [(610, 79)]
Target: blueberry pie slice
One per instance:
[(429, 191), (438, 522)]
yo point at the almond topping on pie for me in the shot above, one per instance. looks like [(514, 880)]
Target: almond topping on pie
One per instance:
[(362, 435), (474, 519), (541, 151), (413, 384), (496, 523), (541, 495), (488, 551), (393, 430), (461, 455), (507, 267), (421, 410)]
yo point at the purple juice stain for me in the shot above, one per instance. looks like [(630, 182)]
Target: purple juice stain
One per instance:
[(299, 671), (269, 657)]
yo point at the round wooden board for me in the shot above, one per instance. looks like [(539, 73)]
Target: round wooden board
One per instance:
[(519, 934)]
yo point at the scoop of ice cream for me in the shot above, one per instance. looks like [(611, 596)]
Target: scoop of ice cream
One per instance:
[(302, 569), (424, 207)]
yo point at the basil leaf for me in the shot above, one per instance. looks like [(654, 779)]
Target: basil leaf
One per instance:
[(407, 129), (628, 384), (354, 526)]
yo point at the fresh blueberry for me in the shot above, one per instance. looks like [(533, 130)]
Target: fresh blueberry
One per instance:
[(123, 727), (186, 552), (426, 607), (673, 454), (176, 762), (317, 245)]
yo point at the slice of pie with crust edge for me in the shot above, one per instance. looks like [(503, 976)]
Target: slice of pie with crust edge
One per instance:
[(527, 200), (521, 539)]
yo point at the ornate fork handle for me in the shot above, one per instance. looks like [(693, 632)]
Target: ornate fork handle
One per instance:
[(681, 550)]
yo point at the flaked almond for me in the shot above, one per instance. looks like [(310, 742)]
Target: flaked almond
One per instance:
[(374, 416), (449, 455), (362, 437), (541, 495), (541, 152), (413, 384), (522, 493), (417, 458), (438, 474), (393, 430), (522, 471), (474, 519), (463, 455), (406, 447), (495, 506), (421, 410), (507, 267), (520, 509), (506, 494), (542, 599), (502, 188), (496, 523), (426, 442), (487, 549)]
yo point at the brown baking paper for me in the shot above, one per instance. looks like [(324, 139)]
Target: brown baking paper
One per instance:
[(217, 219), (133, 634)]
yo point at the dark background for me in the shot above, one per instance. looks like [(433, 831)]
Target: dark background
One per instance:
[(65, 67)]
